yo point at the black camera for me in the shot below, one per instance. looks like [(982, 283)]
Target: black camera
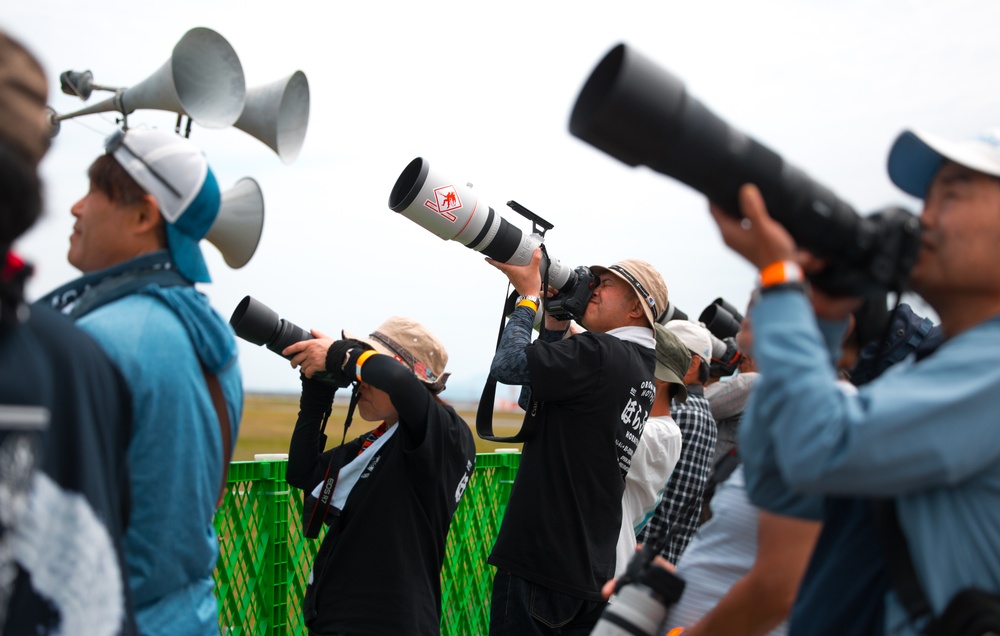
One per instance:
[(451, 210), (721, 318), (723, 322), (640, 114)]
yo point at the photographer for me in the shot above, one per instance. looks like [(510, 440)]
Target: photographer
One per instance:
[(923, 434), (587, 396), (679, 511), (659, 447), (397, 486)]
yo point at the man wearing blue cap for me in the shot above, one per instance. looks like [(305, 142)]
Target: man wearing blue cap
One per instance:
[(922, 437), (152, 198)]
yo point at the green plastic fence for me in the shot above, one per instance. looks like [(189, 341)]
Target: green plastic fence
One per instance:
[(264, 559)]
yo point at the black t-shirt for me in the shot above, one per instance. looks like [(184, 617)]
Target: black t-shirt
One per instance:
[(562, 521), (379, 567), (80, 482)]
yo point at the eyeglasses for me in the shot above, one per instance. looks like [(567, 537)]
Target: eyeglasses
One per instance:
[(117, 140)]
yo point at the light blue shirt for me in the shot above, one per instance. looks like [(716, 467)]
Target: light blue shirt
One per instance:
[(175, 456), (926, 434)]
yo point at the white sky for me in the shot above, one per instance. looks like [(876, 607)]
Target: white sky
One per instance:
[(484, 94)]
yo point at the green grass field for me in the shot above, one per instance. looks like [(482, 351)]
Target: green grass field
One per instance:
[(268, 421)]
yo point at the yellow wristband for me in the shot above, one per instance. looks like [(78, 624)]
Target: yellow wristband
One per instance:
[(361, 360), (527, 302), (781, 272)]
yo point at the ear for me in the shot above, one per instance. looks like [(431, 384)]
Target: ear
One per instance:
[(637, 311), (149, 220)]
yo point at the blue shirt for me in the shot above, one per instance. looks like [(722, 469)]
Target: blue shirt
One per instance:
[(923, 433), (175, 456)]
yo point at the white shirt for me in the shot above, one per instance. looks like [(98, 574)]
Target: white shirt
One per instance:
[(656, 454)]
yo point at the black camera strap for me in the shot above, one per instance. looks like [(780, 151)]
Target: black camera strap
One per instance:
[(901, 572), (317, 514), (971, 612), (484, 413)]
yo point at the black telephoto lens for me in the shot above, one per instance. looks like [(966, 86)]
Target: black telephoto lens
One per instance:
[(257, 323), (642, 115)]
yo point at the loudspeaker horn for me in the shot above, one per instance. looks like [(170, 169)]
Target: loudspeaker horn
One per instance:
[(203, 79), (239, 224), (278, 114)]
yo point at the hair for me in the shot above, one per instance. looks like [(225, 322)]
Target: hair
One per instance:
[(704, 371), (109, 177), (673, 390), (20, 195)]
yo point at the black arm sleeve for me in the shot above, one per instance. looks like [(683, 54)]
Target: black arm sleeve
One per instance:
[(409, 396), (306, 459)]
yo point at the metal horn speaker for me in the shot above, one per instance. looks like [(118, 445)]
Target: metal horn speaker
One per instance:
[(203, 79), (239, 224), (278, 114)]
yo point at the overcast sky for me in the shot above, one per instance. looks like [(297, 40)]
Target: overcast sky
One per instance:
[(484, 94)]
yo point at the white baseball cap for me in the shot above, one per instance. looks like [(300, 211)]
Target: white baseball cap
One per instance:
[(695, 337), (176, 173), (916, 156)]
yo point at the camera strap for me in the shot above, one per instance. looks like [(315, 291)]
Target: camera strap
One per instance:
[(484, 413), (902, 575), (317, 514)]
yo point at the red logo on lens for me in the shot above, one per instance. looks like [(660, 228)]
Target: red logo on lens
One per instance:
[(446, 200)]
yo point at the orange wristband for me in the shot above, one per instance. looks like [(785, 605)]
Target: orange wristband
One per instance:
[(677, 631), (781, 272), (361, 360)]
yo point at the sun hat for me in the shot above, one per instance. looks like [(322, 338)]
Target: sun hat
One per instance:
[(412, 344), (672, 360), (177, 174), (696, 338), (645, 280), (916, 156)]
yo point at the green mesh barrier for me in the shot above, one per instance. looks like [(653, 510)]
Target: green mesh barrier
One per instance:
[(264, 560)]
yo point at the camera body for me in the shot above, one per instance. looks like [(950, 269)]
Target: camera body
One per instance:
[(453, 211), (572, 303), (642, 115)]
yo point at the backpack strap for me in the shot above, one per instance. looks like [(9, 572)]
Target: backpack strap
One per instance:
[(219, 402)]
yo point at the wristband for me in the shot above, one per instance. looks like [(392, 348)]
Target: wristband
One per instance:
[(528, 301), (677, 631), (779, 273), (361, 360)]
